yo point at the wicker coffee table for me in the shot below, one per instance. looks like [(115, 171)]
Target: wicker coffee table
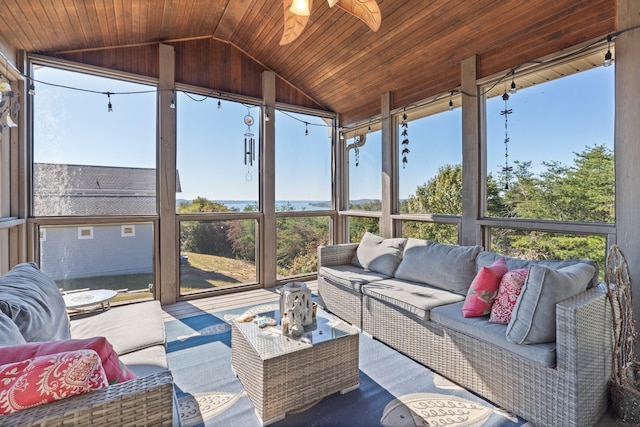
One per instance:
[(282, 373)]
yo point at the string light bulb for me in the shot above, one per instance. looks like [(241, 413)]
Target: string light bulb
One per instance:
[(608, 58), (266, 116), (369, 128), (513, 88), (451, 101), (109, 105), (32, 89), (219, 104), (173, 101), (306, 129)]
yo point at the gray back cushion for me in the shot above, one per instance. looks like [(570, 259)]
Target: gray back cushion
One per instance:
[(9, 332), (378, 254), (534, 316), (448, 267), (486, 258), (32, 300)]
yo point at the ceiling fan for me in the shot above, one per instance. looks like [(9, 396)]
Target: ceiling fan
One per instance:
[(296, 15)]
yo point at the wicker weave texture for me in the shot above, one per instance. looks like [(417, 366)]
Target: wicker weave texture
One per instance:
[(343, 302), (280, 384), (572, 394), (336, 254), (145, 401)]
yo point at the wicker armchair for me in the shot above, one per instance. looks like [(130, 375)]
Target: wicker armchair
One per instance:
[(145, 401)]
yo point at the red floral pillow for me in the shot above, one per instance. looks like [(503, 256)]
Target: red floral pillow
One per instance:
[(508, 291), (116, 371), (483, 289), (44, 379)]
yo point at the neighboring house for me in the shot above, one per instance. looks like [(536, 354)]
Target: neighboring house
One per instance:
[(102, 249)]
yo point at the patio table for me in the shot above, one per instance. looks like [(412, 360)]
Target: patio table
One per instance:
[(281, 373)]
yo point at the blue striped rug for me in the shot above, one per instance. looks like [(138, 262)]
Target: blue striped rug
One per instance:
[(394, 390)]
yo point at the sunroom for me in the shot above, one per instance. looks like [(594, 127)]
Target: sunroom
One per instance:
[(198, 153)]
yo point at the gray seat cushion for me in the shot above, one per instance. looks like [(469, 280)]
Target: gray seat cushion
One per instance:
[(449, 267), (414, 298), (33, 301), (128, 328), (349, 276), (450, 316), (146, 361), (486, 258), (377, 254)]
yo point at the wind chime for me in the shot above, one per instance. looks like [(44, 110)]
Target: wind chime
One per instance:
[(249, 145), (405, 138), (506, 169)]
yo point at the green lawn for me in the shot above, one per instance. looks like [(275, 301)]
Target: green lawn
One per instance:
[(210, 271), (201, 272)]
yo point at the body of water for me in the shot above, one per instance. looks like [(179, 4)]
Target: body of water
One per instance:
[(297, 205)]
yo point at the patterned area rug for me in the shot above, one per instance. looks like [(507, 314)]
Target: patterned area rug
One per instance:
[(394, 390)]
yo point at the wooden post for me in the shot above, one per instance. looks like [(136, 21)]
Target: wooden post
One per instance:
[(471, 172), (268, 231), (626, 146), (167, 246), (389, 167)]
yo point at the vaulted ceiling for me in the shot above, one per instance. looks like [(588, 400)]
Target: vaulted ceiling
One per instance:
[(338, 63)]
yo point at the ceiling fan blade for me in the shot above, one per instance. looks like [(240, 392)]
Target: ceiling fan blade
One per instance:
[(293, 24), (365, 10)]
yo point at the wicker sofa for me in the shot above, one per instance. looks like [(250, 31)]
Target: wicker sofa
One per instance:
[(558, 383), (34, 307)]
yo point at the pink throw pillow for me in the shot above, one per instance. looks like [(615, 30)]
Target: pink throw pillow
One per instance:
[(116, 371), (43, 379), (508, 291), (483, 289)]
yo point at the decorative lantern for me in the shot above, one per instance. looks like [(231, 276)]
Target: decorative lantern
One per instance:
[(296, 295)]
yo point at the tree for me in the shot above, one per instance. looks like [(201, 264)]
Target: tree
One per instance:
[(442, 194), (204, 237), (359, 225), (581, 192)]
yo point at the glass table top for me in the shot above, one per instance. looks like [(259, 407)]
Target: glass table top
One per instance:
[(269, 341)]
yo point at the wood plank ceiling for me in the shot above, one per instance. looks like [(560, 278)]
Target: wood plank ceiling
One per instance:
[(338, 62)]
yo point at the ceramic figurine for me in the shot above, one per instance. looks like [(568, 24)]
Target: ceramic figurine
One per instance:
[(295, 315)]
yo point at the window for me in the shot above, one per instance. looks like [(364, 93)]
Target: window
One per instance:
[(79, 168), (551, 156), (544, 245), (217, 160), (431, 178), (365, 172), (298, 241), (303, 162), (128, 231), (85, 232), (303, 182), (442, 233), (217, 254), (358, 226), (74, 260)]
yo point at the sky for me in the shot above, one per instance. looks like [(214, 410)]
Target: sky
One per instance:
[(550, 121)]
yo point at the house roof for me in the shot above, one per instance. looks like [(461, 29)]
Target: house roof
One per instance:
[(61, 189), (337, 63)]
